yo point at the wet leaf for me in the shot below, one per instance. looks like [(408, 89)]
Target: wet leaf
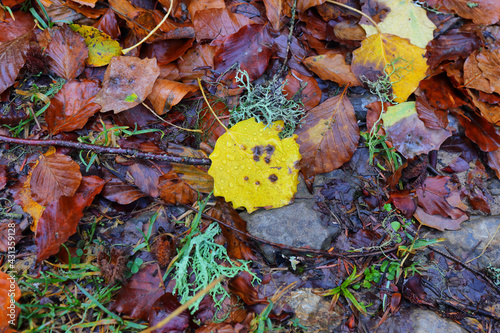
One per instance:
[(3, 176), (408, 133), (275, 11), (108, 24), (382, 54), (431, 117), (174, 190), (479, 131), (72, 106), (120, 192), (60, 219), (332, 67), (12, 59), (440, 92), (22, 196), (214, 22), (305, 87), (8, 287), (195, 177), (10, 29), (250, 47), (253, 168), (494, 161), (404, 201), (483, 12), (67, 52), (168, 93), (166, 51), (55, 175), (211, 128), (242, 286), (196, 62), (328, 137), (162, 308), (126, 76), (482, 70), (101, 47), (404, 19), (137, 297), (451, 46)]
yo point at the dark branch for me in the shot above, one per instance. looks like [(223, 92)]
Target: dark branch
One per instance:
[(107, 150)]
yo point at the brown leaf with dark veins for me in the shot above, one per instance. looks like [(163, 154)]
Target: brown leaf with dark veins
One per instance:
[(12, 59), (173, 190), (328, 137), (451, 46), (168, 93), (479, 130), (127, 82), (72, 106), (67, 52), (196, 62), (250, 47), (136, 298), (60, 219), (55, 175)]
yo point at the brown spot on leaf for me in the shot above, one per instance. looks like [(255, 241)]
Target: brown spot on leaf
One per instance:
[(245, 178), (267, 159), (257, 183), (273, 178)]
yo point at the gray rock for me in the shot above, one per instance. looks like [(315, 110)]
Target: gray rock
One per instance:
[(461, 242), (296, 225)]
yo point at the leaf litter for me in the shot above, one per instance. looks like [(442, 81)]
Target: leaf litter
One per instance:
[(82, 220)]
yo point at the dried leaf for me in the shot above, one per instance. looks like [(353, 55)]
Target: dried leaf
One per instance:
[(137, 297), (12, 29), (484, 12), (195, 177), (305, 87), (382, 54), (253, 168), (61, 217), (196, 62), (214, 22), (22, 196), (482, 70), (72, 106), (408, 133), (174, 190), (125, 77), (479, 131), (168, 93), (275, 10), (12, 59), (55, 175), (328, 137), (332, 67), (108, 24), (101, 47), (451, 46), (404, 19)]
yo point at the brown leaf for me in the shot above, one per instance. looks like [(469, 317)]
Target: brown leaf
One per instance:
[(195, 6), (250, 47), (162, 308), (214, 22), (305, 87), (488, 68), (479, 131), (137, 297), (438, 196), (61, 217), (108, 24), (451, 46), (166, 51), (332, 67), (89, 12), (146, 176), (197, 178), (174, 190), (430, 116), (490, 112), (125, 78), (237, 244), (328, 137), (275, 10), (12, 59), (10, 29), (67, 52), (55, 175), (476, 188), (118, 191), (168, 93), (404, 201), (196, 62), (440, 93), (113, 265), (484, 12), (242, 286), (494, 161), (211, 128), (437, 221), (72, 106), (3, 176)]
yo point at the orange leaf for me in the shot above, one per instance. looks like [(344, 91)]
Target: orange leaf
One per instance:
[(328, 137), (332, 67), (174, 190), (168, 93), (275, 10), (305, 86), (54, 176), (22, 196), (9, 293)]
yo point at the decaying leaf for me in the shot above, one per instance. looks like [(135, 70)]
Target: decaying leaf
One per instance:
[(173, 190), (55, 175), (385, 54), (332, 67), (253, 168), (405, 19), (305, 87), (328, 137), (408, 133), (12, 59), (101, 47), (126, 77), (22, 196)]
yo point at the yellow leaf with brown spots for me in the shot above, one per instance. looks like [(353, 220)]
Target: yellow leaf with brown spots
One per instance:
[(382, 54), (102, 48), (328, 137), (253, 168)]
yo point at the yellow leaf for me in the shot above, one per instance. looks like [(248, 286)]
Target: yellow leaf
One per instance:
[(102, 48), (30, 206), (403, 61), (253, 168), (405, 19)]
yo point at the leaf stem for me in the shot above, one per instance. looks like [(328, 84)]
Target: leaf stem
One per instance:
[(357, 11), (152, 31)]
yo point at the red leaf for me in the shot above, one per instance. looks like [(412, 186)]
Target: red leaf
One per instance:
[(10, 29), (72, 106), (108, 24), (250, 47), (404, 201), (479, 131), (242, 286), (451, 46), (433, 197), (61, 217), (12, 59), (166, 51), (305, 87), (137, 297), (67, 52)]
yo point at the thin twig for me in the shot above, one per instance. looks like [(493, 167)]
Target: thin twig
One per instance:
[(107, 150)]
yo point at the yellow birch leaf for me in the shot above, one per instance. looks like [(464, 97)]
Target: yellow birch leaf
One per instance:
[(253, 168), (405, 19), (395, 56), (102, 48)]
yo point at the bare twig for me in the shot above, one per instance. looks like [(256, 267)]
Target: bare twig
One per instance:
[(107, 150)]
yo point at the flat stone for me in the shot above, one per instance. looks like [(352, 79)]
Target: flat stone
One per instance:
[(461, 242), (296, 225)]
